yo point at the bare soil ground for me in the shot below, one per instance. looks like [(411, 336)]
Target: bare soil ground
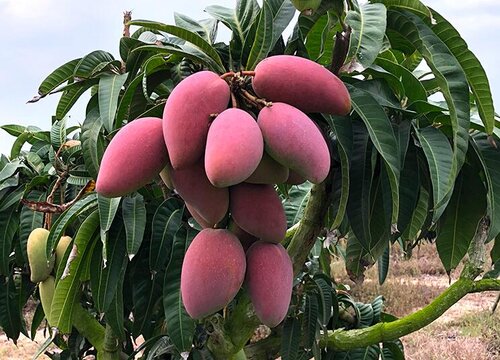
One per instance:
[(466, 331)]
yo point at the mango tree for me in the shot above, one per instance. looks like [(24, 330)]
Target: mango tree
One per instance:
[(370, 126)]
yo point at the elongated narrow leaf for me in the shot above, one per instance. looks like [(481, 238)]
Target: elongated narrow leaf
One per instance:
[(310, 320), (382, 135), (105, 279), (10, 315), (179, 324), (439, 157), (449, 75), (9, 223), (58, 133), (134, 218), (490, 161), (357, 259), (70, 97), (92, 142), (114, 314), (383, 266), (87, 65), (263, 39), (89, 203), (418, 217), (290, 339), (14, 197), (189, 36), (109, 90), (324, 289), (57, 77), (66, 292), (295, 202), (408, 190), (283, 12), (415, 6), (476, 76), (166, 222), (29, 220), (461, 218), (107, 212), (368, 29)]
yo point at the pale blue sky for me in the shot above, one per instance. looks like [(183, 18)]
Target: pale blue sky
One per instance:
[(40, 35)]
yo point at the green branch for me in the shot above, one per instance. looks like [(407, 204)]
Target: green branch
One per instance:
[(345, 340)]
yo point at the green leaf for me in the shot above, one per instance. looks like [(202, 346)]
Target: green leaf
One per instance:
[(295, 202), (439, 157), (114, 314), (320, 39), (382, 135), (13, 198), (383, 265), (70, 96), (38, 317), (66, 293), (134, 218), (412, 5), (490, 161), (418, 217), (263, 39), (57, 229), (179, 324), (10, 315), (460, 221), (87, 65), (409, 187), (476, 76), (104, 280), (366, 315), (107, 212), (283, 12), (310, 320), (58, 133), (10, 169), (357, 258), (368, 28), (184, 21), (9, 223), (57, 77), (166, 222), (290, 339), (395, 348), (109, 90), (324, 288), (184, 34), (92, 142), (29, 220), (449, 75)]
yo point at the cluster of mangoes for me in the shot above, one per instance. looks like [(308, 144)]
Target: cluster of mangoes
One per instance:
[(41, 267), (224, 163)]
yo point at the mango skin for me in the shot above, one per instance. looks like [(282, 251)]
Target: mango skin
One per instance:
[(199, 219), (295, 179), (257, 209), (234, 148), (186, 117), (133, 158), (61, 248), (46, 289), (295, 141), (269, 281), (192, 184), (269, 171), (212, 272), (245, 238), (40, 266), (302, 83)]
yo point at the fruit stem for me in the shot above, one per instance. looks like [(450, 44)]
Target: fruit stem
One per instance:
[(254, 99), (247, 73), (234, 101), (227, 75)]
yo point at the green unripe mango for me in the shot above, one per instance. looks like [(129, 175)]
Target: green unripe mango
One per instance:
[(46, 289), (40, 266), (61, 248), (308, 7)]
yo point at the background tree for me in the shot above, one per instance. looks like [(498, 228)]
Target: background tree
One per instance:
[(416, 159)]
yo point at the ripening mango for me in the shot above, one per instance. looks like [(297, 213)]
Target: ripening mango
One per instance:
[(269, 281), (133, 158), (245, 238), (307, 7), (295, 141), (295, 179), (257, 209), (61, 248), (188, 114), (269, 171), (212, 272), (40, 266), (198, 218), (234, 148), (46, 289), (302, 83), (192, 184)]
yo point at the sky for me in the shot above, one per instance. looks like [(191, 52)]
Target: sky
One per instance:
[(40, 35)]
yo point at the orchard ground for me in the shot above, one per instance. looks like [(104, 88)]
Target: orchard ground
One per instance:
[(466, 331)]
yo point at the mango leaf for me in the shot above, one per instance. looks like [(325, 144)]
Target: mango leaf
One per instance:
[(461, 218), (29, 220), (166, 222), (320, 39), (179, 324), (89, 203), (184, 34), (450, 77), (66, 293), (283, 12), (92, 142), (70, 96), (476, 76), (10, 315), (262, 40), (104, 280), (324, 289), (418, 217), (57, 77), (290, 339), (357, 259), (382, 135), (109, 90), (412, 5), (490, 161), (439, 157), (58, 133), (87, 65), (383, 265), (114, 314), (367, 32), (408, 189), (310, 320), (134, 218), (295, 202), (9, 223), (393, 350), (107, 212)]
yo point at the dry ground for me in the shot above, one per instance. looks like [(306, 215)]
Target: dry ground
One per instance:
[(466, 331)]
